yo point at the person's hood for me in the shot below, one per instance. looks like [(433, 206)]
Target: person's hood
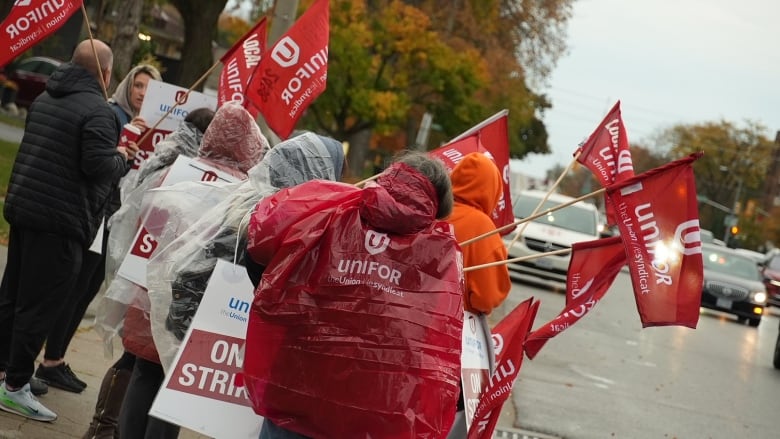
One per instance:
[(476, 181), (233, 140), (400, 201), (70, 78), (298, 160), (121, 95)]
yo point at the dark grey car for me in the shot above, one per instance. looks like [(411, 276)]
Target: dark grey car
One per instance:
[(732, 284)]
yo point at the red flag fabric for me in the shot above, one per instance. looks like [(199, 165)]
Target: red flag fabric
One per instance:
[(606, 154), (29, 22), (592, 269), (658, 218), (490, 137), (295, 71), (238, 65), (509, 337)]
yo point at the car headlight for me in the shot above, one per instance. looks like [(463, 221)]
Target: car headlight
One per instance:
[(775, 282), (759, 297)]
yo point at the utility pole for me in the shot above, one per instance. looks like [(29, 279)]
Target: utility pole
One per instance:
[(283, 16)]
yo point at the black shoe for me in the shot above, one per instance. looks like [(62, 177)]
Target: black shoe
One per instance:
[(38, 387), (73, 375), (58, 376)]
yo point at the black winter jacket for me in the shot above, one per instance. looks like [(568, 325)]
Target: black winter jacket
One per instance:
[(67, 161)]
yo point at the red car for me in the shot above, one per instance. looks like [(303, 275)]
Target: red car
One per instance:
[(771, 271), (30, 76)]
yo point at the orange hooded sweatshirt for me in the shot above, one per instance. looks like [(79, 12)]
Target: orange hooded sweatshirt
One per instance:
[(477, 188)]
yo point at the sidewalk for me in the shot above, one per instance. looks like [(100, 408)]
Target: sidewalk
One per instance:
[(74, 411)]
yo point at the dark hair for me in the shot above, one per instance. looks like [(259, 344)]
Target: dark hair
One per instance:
[(200, 118), (436, 172)]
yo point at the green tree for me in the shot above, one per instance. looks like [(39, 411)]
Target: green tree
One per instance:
[(729, 174)]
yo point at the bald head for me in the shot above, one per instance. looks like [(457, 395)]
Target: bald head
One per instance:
[(83, 56)]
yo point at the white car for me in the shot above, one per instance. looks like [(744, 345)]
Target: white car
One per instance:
[(554, 231)]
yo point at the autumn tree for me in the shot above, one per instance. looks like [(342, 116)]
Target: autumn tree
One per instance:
[(382, 63), (126, 16), (730, 173), (200, 29), (230, 28), (521, 41)]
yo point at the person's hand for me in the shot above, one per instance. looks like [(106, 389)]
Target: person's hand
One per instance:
[(128, 151), (132, 149), (122, 150), (139, 122)]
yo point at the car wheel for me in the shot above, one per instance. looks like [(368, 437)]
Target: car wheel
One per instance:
[(754, 322), (741, 319), (776, 360)]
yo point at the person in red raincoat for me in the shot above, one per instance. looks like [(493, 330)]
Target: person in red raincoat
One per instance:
[(355, 330)]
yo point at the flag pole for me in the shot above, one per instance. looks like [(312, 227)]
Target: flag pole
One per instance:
[(181, 99), (546, 197), (94, 51), (371, 178), (533, 217), (518, 259)]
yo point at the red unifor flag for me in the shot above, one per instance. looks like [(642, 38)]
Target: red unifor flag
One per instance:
[(238, 65), (29, 22), (295, 71), (592, 269), (606, 153), (509, 336), (658, 218), (490, 137)]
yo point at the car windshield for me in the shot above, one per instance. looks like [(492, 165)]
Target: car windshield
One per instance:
[(729, 263), (571, 217)]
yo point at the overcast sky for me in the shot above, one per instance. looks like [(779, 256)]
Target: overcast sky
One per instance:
[(668, 62)]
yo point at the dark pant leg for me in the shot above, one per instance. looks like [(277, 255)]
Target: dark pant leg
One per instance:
[(90, 279), (134, 421), (125, 362), (273, 431), (8, 289), (48, 270)]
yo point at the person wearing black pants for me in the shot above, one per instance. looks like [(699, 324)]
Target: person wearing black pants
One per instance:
[(67, 163), (29, 301), (146, 380), (60, 375)]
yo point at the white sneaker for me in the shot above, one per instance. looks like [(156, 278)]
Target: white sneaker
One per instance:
[(22, 402)]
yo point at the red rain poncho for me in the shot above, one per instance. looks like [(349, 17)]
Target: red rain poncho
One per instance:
[(355, 330)]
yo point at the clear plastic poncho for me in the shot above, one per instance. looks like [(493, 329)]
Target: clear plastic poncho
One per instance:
[(232, 143), (180, 269)]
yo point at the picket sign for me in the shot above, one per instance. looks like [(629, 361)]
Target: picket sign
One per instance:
[(477, 360), (199, 391), (133, 267), (160, 96)]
